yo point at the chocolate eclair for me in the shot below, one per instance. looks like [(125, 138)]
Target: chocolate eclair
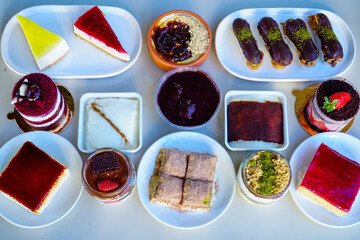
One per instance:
[(330, 45), (279, 51), (248, 44), (296, 31)]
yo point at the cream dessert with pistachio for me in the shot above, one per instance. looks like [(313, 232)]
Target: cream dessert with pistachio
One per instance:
[(112, 122)]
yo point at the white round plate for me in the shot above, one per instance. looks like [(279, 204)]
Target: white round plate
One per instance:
[(224, 177), (232, 59), (84, 60), (67, 196), (346, 145)]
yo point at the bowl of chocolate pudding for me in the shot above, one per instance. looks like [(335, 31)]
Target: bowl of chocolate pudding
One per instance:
[(187, 98), (108, 175)]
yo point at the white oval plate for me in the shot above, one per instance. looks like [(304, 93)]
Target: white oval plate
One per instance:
[(346, 145), (67, 196), (233, 60), (224, 177), (84, 60)]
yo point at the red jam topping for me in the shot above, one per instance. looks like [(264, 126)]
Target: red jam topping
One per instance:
[(172, 41), (188, 98), (40, 97), (94, 24), (333, 177), (107, 165), (30, 176)]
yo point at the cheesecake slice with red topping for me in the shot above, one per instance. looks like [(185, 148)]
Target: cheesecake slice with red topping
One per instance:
[(94, 28), (331, 180)]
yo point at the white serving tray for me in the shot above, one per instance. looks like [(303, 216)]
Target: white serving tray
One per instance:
[(256, 96), (82, 111), (232, 59), (84, 60)]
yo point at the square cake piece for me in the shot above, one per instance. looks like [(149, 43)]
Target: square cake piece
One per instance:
[(171, 162), (331, 180), (166, 189), (255, 121), (197, 194), (32, 178), (201, 166)]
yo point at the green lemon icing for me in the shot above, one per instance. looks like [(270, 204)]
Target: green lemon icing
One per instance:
[(40, 40)]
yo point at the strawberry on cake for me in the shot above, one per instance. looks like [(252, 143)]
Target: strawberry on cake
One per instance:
[(39, 101), (93, 27), (32, 178)]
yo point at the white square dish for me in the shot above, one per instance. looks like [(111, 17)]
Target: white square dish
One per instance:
[(83, 115), (260, 96)]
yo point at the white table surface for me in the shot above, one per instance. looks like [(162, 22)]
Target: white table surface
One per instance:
[(129, 220)]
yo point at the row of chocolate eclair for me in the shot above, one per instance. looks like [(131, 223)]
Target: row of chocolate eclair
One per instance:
[(296, 31)]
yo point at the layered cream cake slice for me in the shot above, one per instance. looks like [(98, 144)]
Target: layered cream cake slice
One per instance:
[(331, 180), (93, 27), (46, 47), (32, 178)]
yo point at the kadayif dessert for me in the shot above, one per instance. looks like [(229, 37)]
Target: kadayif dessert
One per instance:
[(93, 27), (331, 180), (183, 181), (39, 101), (32, 178), (46, 47)]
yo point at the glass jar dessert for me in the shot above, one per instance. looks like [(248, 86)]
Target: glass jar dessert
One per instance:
[(39, 101), (264, 177), (108, 175), (334, 104)]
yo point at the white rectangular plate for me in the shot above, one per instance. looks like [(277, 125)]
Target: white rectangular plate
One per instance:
[(233, 60), (81, 129), (84, 60), (256, 96)]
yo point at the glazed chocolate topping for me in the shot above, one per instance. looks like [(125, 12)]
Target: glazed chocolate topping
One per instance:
[(105, 161), (270, 32)]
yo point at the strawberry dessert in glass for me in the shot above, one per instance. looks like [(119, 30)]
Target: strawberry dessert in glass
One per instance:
[(108, 175), (334, 104)]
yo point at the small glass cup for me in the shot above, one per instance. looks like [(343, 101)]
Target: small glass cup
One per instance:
[(113, 196), (248, 193), (318, 120)]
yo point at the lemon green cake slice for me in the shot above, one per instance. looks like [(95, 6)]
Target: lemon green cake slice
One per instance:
[(46, 47)]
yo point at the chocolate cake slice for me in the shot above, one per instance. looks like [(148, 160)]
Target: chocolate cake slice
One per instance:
[(255, 121)]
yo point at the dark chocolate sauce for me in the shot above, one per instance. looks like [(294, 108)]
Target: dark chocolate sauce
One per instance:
[(188, 98), (172, 41)]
